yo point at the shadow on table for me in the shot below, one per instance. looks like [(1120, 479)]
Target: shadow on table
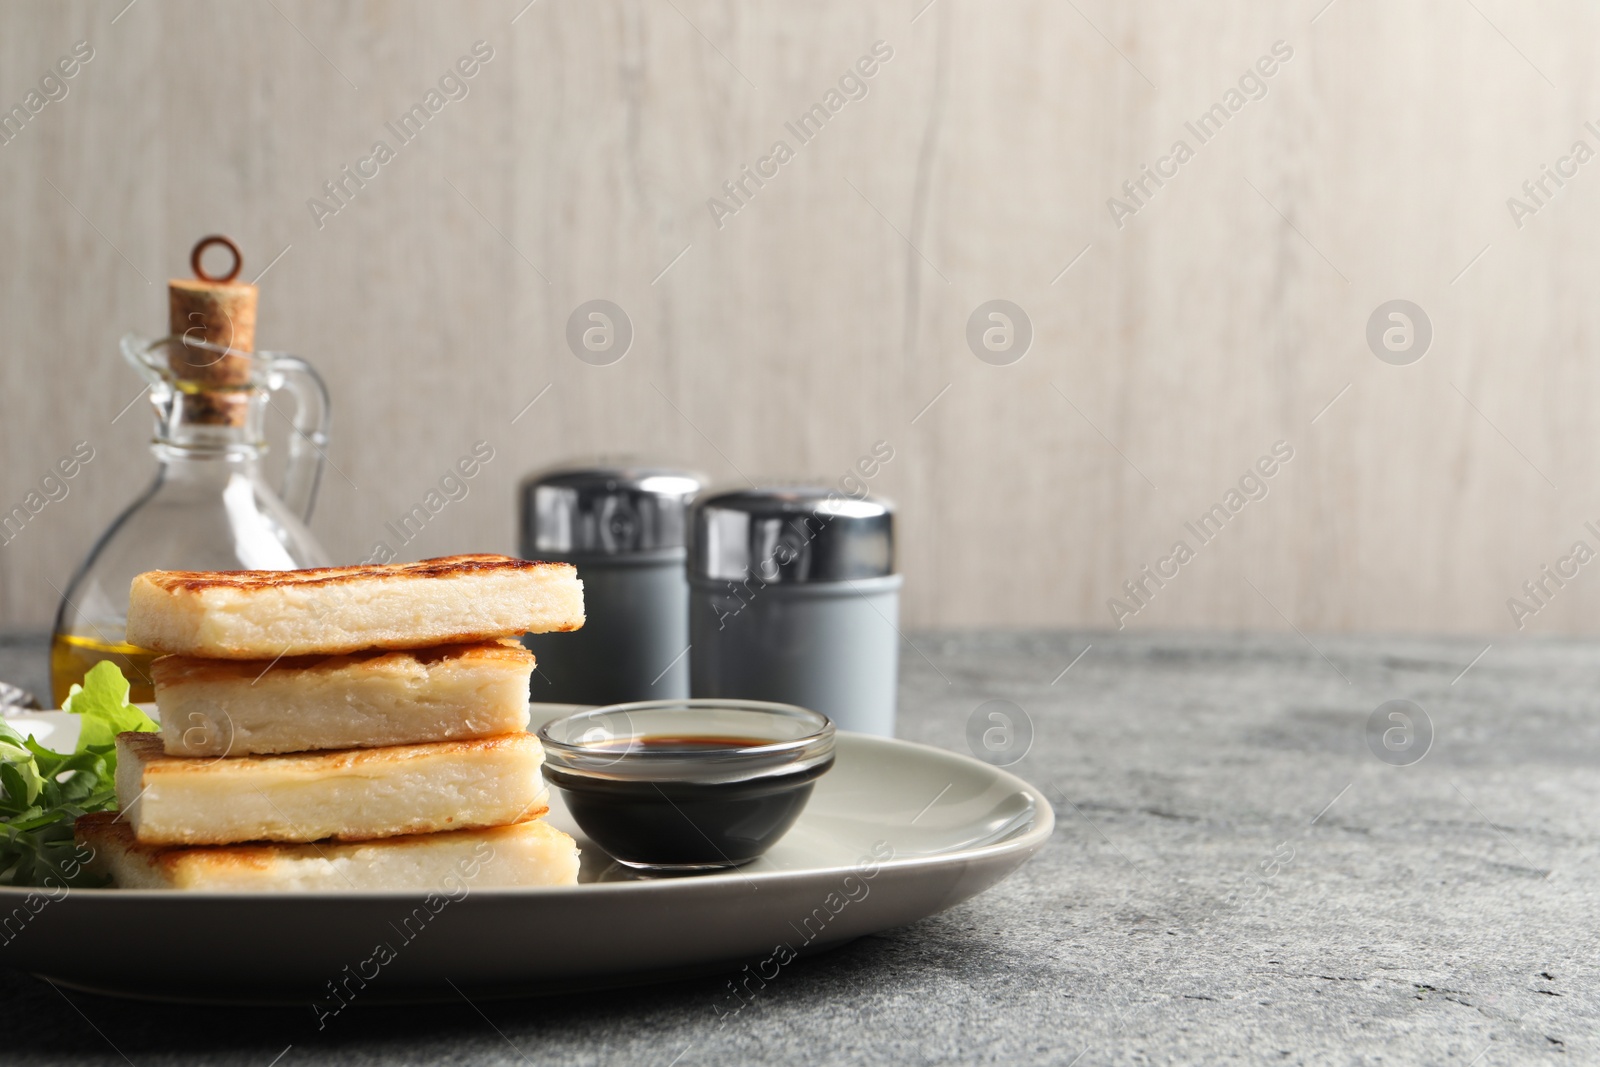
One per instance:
[(51, 1024)]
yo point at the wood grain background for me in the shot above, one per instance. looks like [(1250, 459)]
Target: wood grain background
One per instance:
[(831, 310)]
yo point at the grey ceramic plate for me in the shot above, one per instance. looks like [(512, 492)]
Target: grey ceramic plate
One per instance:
[(895, 832)]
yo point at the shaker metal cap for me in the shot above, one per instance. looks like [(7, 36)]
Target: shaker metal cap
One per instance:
[(607, 510), (791, 534)]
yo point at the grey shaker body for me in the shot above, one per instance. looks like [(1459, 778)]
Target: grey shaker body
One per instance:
[(632, 641), (831, 647), (622, 526), (794, 598)]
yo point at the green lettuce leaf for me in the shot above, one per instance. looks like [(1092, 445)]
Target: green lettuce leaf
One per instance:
[(19, 771), (102, 700)]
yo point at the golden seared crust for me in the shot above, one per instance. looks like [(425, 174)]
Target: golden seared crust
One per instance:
[(98, 824), (103, 826), (530, 852), (151, 752), (261, 854), (106, 829), (328, 611), (169, 671), (439, 567), (102, 831), (142, 745), (526, 815)]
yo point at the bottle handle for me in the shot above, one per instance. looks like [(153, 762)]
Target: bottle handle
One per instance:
[(140, 354), (303, 472)]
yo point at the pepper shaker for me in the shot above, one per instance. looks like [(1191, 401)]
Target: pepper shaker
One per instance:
[(795, 599), (623, 527)]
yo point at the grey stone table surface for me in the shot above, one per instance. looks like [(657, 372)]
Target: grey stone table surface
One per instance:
[(1236, 877)]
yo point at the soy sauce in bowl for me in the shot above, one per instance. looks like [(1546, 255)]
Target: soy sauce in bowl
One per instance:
[(687, 785)]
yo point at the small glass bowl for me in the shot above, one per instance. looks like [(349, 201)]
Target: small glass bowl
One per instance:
[(687, 785)]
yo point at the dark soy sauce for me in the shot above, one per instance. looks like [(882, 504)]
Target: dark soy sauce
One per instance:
[(686, 824)]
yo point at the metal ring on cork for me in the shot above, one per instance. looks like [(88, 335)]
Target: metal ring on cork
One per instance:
[(200, 250)]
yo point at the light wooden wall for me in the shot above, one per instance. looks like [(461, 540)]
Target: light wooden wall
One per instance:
[(831, 310)]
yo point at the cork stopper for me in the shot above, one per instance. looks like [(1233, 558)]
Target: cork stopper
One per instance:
[(220, 313)]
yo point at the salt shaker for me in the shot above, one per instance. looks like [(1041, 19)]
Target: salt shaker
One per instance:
[(794, 598), (623, 527)]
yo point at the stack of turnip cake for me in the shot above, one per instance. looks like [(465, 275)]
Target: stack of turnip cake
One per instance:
[(339, 728)]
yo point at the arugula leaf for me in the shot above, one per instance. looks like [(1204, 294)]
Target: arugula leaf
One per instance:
[(43, 792)]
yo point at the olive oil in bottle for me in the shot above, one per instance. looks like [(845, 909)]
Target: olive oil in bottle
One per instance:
[(71, 656)]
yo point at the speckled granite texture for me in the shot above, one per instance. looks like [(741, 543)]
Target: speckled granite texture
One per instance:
[(1236, 877)]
